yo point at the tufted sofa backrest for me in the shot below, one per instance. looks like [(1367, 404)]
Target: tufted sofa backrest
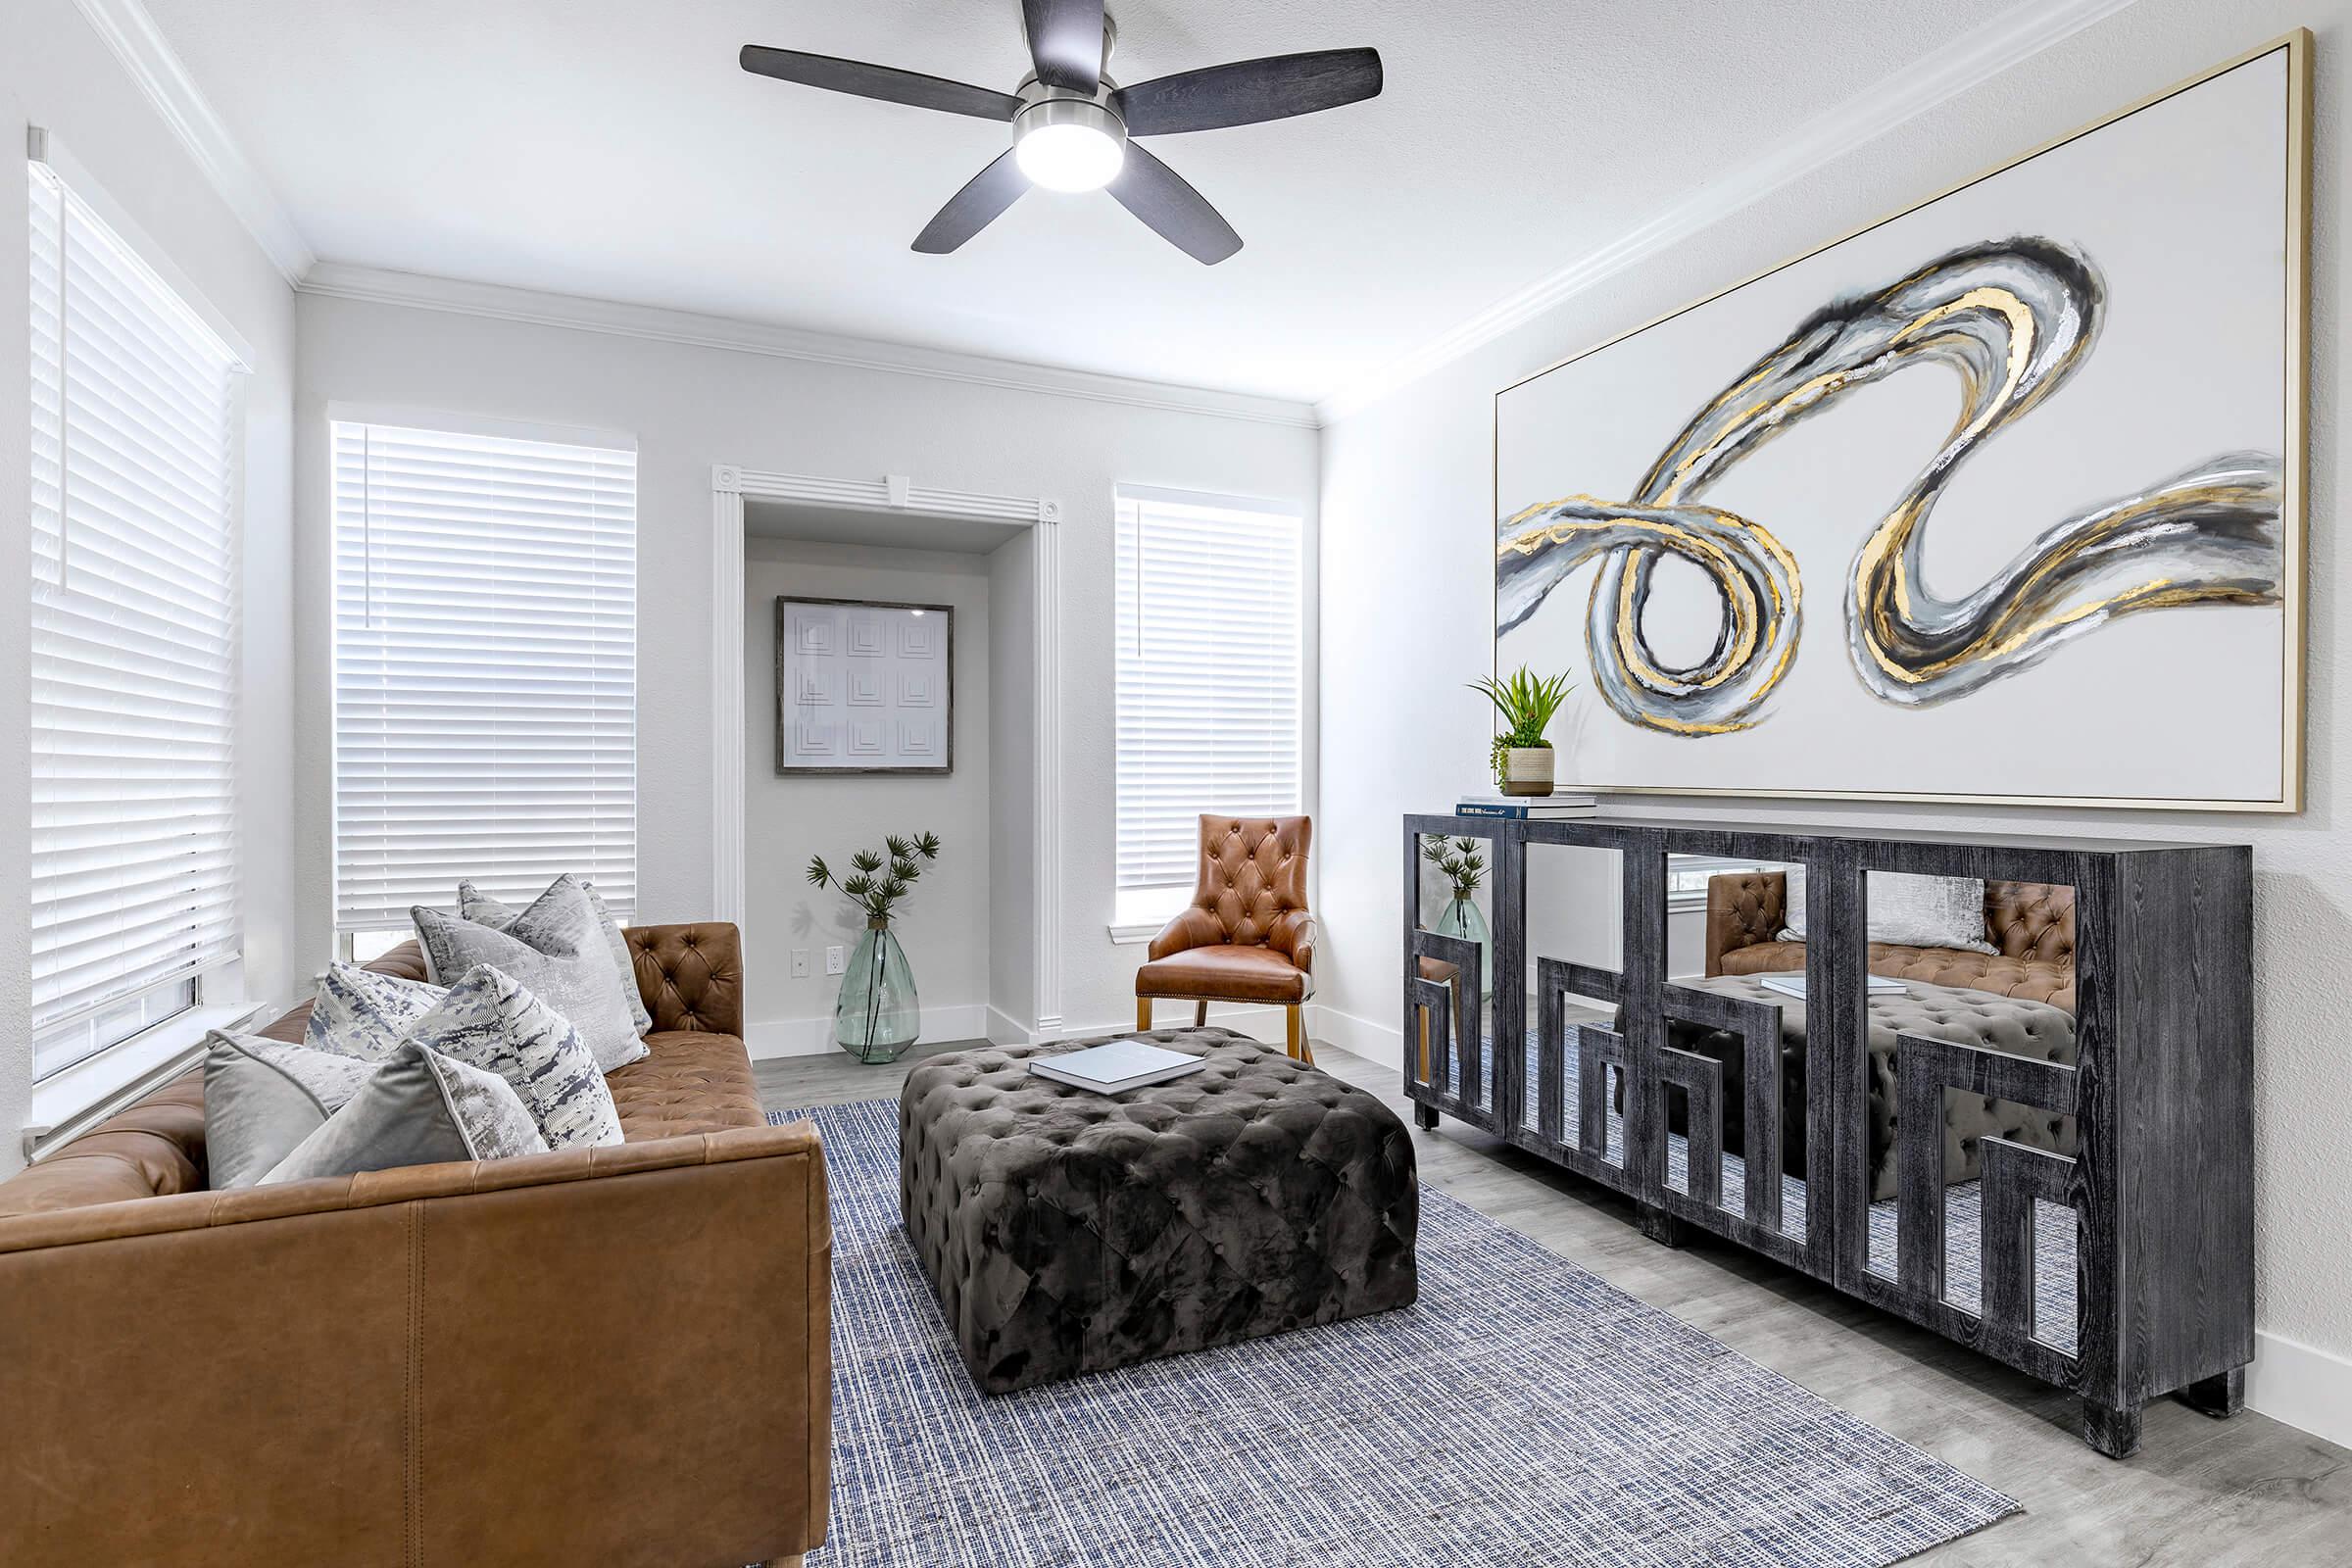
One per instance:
[(1253, 871), (2031, 920), (691, 976)]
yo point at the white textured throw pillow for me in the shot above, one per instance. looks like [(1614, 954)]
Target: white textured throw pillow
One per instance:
[(1907, 909), (483, 909), (418, 1107), (491, 1021), (556, 950), (366, 1015)]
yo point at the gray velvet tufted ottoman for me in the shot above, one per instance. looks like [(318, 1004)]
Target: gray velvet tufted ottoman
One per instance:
[(1070, 1231)]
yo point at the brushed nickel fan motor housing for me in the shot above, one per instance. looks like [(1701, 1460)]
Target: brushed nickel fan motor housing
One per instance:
[(1043, 106)]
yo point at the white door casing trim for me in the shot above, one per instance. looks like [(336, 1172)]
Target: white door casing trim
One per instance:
[(730, 486)]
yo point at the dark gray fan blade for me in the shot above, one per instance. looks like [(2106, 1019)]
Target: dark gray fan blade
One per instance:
[(1172, 209), (862, 80), (1065, 39), (973, 208), (1249, 91)]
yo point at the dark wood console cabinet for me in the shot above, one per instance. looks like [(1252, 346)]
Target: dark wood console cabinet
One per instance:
[(2159, 1183)]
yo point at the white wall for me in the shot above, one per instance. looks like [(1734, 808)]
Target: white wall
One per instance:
[(55, 73), (1406, 505), (943, 924), (691, 406)]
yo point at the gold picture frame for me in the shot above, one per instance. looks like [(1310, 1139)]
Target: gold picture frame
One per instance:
[(2294, 458)]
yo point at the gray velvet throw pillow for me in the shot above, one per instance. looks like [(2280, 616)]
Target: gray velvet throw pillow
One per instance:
[(262, 1097), (420, 1108), (556, 950), (483, 909)]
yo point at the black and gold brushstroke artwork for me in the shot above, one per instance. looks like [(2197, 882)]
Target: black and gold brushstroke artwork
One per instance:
[(2014, 318)]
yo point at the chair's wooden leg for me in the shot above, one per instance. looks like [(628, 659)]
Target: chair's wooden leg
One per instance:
[(1295, 1035), (1199, 1014), (1143, 1014), (1424, 1012)]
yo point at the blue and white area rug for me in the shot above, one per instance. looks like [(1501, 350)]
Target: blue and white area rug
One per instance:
[(1523, 1412)]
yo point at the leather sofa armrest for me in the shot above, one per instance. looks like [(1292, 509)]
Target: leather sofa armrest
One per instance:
[(558, 1357), (1292, 935), (691, 976), (1194, 927), (1744, 908)]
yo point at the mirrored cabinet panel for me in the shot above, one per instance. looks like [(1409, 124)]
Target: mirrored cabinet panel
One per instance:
[(1999, 1087)]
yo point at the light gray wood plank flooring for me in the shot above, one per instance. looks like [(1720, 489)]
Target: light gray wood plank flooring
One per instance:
[(2246, 1492)]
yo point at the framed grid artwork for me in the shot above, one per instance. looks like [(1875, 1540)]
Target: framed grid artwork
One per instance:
[(864, 687)]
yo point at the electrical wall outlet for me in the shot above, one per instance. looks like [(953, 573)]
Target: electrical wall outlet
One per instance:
[(799, 963), (836, 959)]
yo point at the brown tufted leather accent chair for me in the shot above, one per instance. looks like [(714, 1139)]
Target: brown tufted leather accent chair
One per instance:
[(1247, 936), (2033, 923)]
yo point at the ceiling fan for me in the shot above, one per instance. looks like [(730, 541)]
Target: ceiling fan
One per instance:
[(1072, 126)]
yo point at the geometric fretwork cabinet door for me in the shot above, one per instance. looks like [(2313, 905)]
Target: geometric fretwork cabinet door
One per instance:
[(2036, 1140)]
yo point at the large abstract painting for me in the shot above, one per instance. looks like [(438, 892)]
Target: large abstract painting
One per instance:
[(1999, 498)]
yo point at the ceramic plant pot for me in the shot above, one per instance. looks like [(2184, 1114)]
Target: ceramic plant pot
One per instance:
[(1527, 770)]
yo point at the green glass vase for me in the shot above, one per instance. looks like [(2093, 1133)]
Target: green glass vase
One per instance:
[(1462, 919), (878, 1016)]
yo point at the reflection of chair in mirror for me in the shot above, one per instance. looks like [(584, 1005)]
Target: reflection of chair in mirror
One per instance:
[(2019, 999), (1247, 936)]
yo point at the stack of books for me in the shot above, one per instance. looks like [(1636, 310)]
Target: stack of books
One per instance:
[(1527, 808)]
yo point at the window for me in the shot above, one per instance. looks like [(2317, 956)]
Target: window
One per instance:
[(1211, 602), (135, 432), (485, 670)]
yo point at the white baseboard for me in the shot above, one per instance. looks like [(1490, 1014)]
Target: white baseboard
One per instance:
[(2302, 1386), (814, 1037), (1004, 1029), (1377, 1041)]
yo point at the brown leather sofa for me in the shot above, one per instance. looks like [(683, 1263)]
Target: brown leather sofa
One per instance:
[(1247, 936), (2033, 923), (617, 1355)]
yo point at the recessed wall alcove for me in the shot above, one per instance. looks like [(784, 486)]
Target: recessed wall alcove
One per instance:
[(975, 926)]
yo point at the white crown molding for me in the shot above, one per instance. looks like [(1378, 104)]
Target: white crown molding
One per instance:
[(1966, 62), (151, 63), (380, 286), (890, 494)]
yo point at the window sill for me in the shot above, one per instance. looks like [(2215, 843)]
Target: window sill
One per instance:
[(1127, 936), (68, 1102)]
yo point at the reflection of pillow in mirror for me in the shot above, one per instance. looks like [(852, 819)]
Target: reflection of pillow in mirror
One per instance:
[(1908, 910)]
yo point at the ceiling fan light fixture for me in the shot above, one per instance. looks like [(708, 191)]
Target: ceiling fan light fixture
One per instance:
[(1069, 144)]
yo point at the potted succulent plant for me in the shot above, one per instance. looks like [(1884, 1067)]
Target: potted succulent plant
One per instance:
[(878, 1016), (1463, 865), (1522, 758)]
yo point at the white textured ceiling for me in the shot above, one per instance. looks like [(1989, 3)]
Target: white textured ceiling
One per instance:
[(612, 148)]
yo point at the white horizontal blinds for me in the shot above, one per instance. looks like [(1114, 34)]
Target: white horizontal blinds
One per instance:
[(134, 630), (485, 670), (1209, 609)]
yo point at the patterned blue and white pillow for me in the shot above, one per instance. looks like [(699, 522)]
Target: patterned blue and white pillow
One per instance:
[(491, 1021), (365, 1016), (483, 909), (557, 949)]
